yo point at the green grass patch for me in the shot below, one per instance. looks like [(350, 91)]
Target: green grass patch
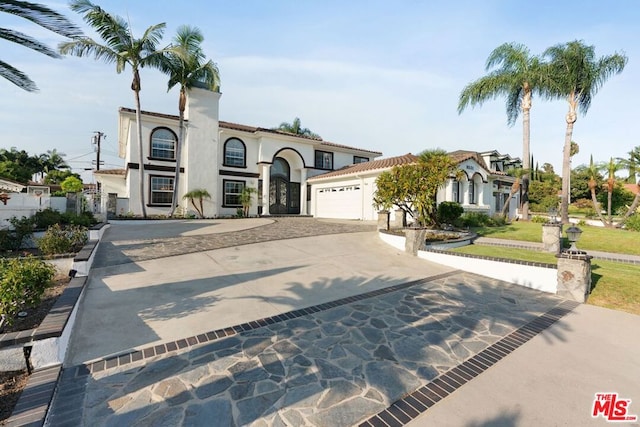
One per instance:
[(615, 285), (593, 238)]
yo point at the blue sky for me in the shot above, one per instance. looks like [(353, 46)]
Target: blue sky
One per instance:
[(371, 74)]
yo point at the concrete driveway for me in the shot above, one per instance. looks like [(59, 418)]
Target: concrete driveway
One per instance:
[(327, 330)]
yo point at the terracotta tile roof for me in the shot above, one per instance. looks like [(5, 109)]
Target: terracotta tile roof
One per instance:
[(149, 113), (634, 188), (122, 172), (460, 156), (369, 166), (320, 141), (253, 129)]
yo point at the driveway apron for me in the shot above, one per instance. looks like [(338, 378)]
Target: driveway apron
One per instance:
[(328, 330)]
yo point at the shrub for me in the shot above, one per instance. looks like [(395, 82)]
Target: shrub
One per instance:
[(85, 219), (449, 212), (46, 218), (12, 240), (22, 283), (475, 219), (539, 219), (498, 221), (633, 222), (59, 240)]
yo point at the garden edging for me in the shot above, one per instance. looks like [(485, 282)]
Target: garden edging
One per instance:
[(47, 344), (534, 275)]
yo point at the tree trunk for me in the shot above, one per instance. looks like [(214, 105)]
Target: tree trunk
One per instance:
[(566, 161), (505, 208), (526, 144), (633, 207), (176, 178), (596, 208), (143, 208), (609, 197)]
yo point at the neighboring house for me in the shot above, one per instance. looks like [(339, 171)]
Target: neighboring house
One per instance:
[(220, 157), (484, 187), (9, 186)]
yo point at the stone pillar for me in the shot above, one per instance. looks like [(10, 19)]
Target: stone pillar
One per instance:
[(303, 191), (398, 219), (414, 240), (383, 220), (266, 184), (574, 275), (552, 237)]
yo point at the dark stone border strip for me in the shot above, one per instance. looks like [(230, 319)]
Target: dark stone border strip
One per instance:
[(414, 404), (34, 401), (492, 258), (54, 323), (86, 369)]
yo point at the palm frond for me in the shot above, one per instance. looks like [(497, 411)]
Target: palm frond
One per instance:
[(42, 16), (27, 41), (17, 77)]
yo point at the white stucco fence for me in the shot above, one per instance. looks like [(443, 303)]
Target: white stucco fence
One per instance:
[(531, 276), (535, 277)]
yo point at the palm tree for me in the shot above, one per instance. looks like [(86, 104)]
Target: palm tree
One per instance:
[(577, 76), (184, 63), (611, 167), (518, 173), (42, 16), (594, 174), (246, 198), (200, 194), (631, 164), (517, 77), (296, 128), (122, 48)]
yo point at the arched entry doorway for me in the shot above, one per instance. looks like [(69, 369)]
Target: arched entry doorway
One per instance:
[(284, 195)]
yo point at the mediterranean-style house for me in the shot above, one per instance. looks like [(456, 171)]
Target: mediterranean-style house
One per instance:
[(484, 187), (220, 157)]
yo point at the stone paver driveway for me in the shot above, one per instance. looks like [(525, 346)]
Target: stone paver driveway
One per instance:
[(374, 356)]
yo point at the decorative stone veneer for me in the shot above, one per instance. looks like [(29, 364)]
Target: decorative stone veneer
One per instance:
[(574, 276), (552, 237)]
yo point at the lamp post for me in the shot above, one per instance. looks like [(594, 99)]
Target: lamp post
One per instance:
[(573, 235)]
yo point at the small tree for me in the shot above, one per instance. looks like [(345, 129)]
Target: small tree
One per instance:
[(246, 198), (71, 184), (413, 188), (200, 194)]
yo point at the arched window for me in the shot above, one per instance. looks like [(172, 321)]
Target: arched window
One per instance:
[(472, 192), (235, 153), (163, 144), (280, 167), (455, 191)]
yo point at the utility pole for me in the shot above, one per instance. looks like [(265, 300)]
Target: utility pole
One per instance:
[(97, 138)]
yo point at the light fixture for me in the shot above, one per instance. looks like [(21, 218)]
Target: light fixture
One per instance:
[(573, 234), (553, 213)]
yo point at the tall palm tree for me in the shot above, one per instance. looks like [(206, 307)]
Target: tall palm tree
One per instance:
[(42, 16), (184, 63), (631, 164), (577, 76), (122, 48), (296, 128), (517, 76)]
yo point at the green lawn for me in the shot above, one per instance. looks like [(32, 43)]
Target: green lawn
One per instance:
[(593, 238), (615, 285)]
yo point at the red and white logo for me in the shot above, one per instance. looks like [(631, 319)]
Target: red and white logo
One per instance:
[(612, 408)]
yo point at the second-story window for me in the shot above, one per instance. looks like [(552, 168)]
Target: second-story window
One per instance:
[(324, 160), (163, 144), (359, 159), (235, 153)]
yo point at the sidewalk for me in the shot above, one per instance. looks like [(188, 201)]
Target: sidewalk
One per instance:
[(535, 246)]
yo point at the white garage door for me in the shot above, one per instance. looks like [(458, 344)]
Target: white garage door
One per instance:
[(343, 202)]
